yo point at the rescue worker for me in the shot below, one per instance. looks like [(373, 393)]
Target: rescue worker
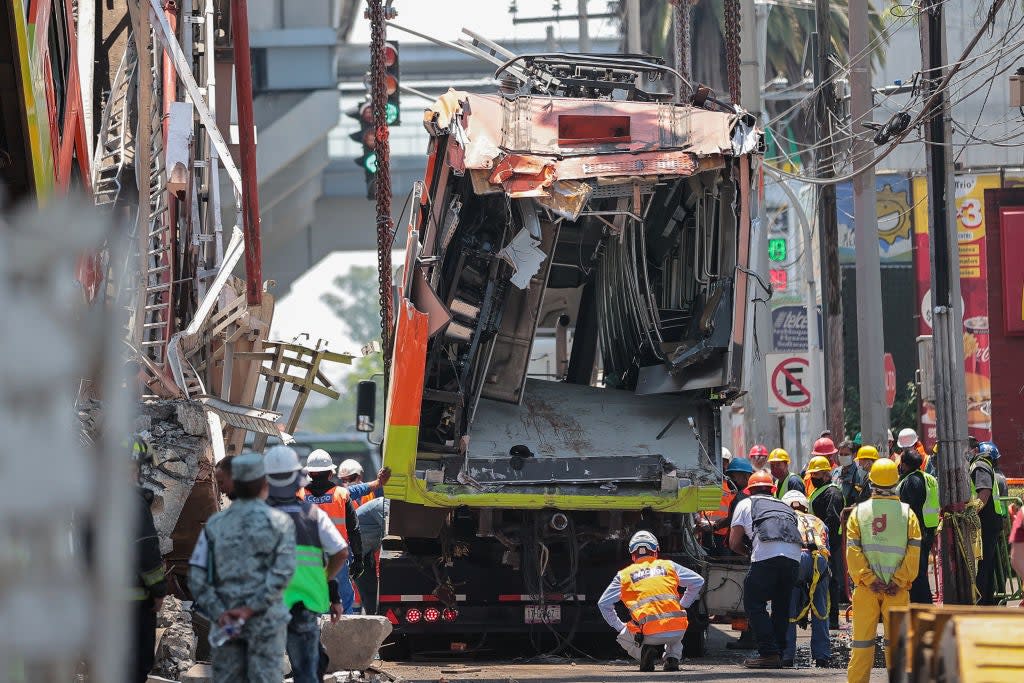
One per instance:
[(920, 491), (242, 562), (785, 481), (336, 502), (908, 440), (307, 595), (984, 485), (810, 599), (852, 480), (824, 447), (758, 457), (827, 503), (149, 591), (649, 588), (770, 527), (350, 472), (883, 547), (726, 457), (737, 474)]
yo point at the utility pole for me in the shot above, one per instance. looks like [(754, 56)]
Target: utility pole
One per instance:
[(584, 24), (828, 226), (874, 413), (947, 310), (633, 27)]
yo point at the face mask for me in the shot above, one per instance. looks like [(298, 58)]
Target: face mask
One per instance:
[(845, 460)]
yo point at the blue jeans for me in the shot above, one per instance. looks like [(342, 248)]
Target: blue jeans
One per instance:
[(348, 594), (304, 645), (821, 646), (770, 580)]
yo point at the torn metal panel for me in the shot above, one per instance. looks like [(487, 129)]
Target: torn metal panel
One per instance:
[(512, 346), (254, 420)]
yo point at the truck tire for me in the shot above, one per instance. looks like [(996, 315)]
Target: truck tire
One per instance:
[(695, 640)]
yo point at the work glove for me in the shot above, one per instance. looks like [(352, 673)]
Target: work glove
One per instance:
[(355, 569)]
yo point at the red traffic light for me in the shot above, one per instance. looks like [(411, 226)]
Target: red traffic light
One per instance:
[(390, 55)]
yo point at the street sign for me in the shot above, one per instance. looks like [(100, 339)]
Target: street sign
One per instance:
[(788, 387), (890, 380)]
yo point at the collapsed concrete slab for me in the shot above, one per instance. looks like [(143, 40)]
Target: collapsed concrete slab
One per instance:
[(353, 642), (176, 649), (177, 449)]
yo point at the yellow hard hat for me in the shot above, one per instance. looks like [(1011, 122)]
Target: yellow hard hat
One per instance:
[(884, 473), (819, 463), (778, 455), (867, 453)]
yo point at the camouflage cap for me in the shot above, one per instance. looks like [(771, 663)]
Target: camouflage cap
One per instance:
[(247, 467)]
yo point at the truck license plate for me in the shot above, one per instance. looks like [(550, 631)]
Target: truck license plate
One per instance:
[(546, 614)]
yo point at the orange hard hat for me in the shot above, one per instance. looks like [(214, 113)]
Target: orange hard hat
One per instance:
[(758, 450), (824, 446), (760, 480)]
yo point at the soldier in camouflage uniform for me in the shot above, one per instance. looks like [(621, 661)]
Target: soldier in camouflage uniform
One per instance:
[(241, 564)]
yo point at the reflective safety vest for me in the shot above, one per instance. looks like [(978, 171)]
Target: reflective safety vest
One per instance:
[(356, 502), (884, 534), (333, 503), (723, 508), (309, 582), (786, 485), (650, 591), (997, 503), (813, 533), (930, 511)]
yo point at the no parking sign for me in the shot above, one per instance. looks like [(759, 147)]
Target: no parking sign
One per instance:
[(788, 386)]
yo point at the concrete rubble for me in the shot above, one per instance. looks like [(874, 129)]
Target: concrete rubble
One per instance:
[(353, 642), (178, 447), (176, 646)]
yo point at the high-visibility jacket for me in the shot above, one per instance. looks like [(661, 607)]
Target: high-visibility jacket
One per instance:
[(650, 591), (356, 502), (786, 484), (308, 584), (813, 533), (885, 536), (728, 494), (985, 463), (930, 511), (333, 503)]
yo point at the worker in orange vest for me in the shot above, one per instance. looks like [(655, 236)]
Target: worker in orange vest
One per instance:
[(335, 501), (649, 588), (350, 472)]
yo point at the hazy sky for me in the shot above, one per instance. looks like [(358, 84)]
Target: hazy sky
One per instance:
[(301, 310)]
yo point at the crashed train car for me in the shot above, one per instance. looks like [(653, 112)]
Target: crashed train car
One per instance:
[(624, 226)]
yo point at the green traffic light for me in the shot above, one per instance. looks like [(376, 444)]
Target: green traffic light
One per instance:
[(391, 113), (777, 249), (370, 162)]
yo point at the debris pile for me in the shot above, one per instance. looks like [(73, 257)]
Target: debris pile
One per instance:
[(176, 648), (177, 448)]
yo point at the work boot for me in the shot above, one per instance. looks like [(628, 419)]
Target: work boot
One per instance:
[(671, 664), (771, 662), (745, 642), (648, 656), (788, 664), (822, 663)]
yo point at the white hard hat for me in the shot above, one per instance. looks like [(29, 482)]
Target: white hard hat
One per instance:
[(281, 464), (643, 542), (350, 467), (726, 453), (320, 461), (907, 438), (791, 497)]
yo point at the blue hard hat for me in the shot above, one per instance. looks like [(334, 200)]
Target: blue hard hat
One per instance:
[(740, 465), (989, 450)]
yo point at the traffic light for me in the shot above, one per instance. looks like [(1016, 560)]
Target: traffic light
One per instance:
[(363, 113), (779, 279), (393, 112), (777, 249)]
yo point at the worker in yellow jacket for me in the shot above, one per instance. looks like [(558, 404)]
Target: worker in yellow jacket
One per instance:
[(883, 549)]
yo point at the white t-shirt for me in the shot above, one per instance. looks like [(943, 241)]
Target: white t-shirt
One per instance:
[(741, 517)]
